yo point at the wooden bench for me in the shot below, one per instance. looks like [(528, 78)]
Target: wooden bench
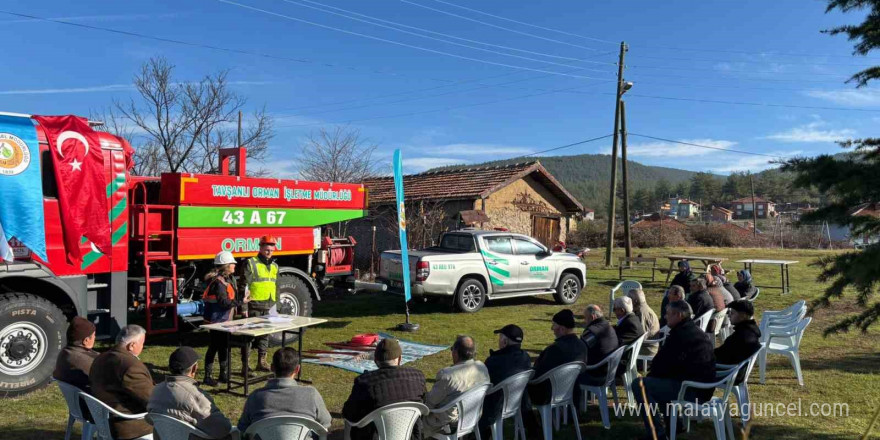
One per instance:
[(665, 270), (636, 263)]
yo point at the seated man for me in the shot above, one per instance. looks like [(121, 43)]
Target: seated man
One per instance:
[(119, 379), (391, 383), (629, 327), (687, 354), (180, 397), (699, 298), (510, 359), (464, 374), (567, 348), (746, 337), (600, 340), (75, 361), (674, 293), (283, 396)]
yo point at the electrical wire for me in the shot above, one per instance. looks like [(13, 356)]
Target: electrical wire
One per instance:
[(698, 69), (497, 27), (566, 146), (598, 40), (398, 43), (703, 146), (401, 115), (429, 31), (758, 104), (781, 63)]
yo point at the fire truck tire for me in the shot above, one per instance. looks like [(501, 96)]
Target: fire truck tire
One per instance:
[(293, 296), (32, 333)]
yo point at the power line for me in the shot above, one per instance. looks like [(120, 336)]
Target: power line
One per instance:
[(528, 24), (758, 104), (498, 27), (782, 63), (703, 146), (401, 115), (566, 146), (398, 43), (431, 32), (697, 69), (686, 49), (216, 48)]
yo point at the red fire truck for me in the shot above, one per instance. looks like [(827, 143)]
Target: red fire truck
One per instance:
[(165, 232)]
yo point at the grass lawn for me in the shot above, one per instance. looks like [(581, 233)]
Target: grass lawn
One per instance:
[(837, 369)]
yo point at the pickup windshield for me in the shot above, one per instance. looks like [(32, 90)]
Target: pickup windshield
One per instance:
[(458, 243)]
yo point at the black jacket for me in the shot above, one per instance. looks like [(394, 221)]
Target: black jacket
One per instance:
[(565, 349), (628, 330), (682, 279), (687, 354), (663, 305), (375, 389), (501, 365), (733, 292), (601, 340), (701, 302), (746, 289), (744, 342)]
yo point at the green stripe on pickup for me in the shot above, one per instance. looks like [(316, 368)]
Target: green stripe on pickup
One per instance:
[(230, 217), (495, 281), (493, 257), (498, 270)]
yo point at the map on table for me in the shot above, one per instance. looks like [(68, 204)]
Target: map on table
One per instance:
[(340, 358)]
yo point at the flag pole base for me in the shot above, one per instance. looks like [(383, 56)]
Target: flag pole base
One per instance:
[(407, 327)]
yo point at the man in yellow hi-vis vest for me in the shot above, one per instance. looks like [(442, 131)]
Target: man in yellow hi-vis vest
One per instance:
[(260, 274)]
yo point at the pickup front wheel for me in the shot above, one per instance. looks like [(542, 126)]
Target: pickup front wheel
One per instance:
[(568, 290), (471, 296)]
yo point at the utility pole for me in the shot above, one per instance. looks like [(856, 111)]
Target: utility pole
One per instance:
[(609, 242), (238, 139), (754, 208), (627, 239)]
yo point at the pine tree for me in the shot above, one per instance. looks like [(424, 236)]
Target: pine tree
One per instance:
[(849, 181)]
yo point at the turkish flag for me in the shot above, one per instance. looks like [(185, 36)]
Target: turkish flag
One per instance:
[(82, 187)]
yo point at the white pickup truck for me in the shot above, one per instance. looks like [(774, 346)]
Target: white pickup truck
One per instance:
[(474, 266)]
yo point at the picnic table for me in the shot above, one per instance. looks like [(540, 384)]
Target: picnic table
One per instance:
[(783, 267), (242, 332), (707, 261)]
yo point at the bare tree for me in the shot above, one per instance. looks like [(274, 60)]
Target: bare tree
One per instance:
[(179, 126), (337, 155)]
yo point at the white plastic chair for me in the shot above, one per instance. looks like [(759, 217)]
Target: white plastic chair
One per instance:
[(624, 286), (392, 422), (781, 318), (513, 389), (631, 354), (741, 390), (470, 408), (645, 358), (719, 318), (785, 341), (703, 321), (170, 428), (285, 428), (716, 408), (101, 415), (562, 382), (74, 411), (601, 391), (752, 298)]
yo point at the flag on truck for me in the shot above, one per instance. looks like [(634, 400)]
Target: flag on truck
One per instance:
[(82, 190), (401, 221), (21, 186)]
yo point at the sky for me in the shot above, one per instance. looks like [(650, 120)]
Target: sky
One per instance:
[(454, 81)]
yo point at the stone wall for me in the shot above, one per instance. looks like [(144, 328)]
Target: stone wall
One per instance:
[(513, 207)]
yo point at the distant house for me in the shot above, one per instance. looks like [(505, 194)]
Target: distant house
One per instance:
[(688, 209), (523, 198), (843, 233), (657, 220), (719, 214), (589, 214), (742, 208)]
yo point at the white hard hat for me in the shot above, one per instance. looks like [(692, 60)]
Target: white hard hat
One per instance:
[(224, 257)]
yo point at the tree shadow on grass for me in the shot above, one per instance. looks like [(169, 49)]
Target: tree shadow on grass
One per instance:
[(858, 363)]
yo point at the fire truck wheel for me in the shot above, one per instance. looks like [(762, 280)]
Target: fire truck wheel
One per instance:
[(293, 299), (31, 336)]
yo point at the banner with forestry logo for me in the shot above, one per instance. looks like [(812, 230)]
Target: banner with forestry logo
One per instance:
[(21, 185)]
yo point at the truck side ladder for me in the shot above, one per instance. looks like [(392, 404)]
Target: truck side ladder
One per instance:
[(153, 229)]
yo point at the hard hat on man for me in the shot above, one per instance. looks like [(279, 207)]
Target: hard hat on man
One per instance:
[(267, 239), (224, 257)]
